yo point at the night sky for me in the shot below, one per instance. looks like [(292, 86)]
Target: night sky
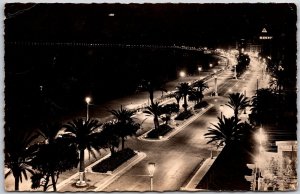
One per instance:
[(146, 23)]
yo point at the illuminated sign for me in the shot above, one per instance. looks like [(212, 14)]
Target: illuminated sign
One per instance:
[(265, 37)]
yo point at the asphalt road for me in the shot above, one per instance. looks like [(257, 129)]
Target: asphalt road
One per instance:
[(177, 158)]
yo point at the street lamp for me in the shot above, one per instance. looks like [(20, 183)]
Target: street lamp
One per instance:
[(261, 137), (216, 85), (210, 65), (151, 169), (199, 69), (235, 77), (182, 74), (87, 100), (245, 97)]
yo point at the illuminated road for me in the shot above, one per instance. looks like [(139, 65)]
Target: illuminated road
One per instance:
[(177, 158)]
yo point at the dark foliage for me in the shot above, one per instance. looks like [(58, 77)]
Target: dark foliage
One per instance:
[(184, 115), (161, 131), (52, 159), (18, 155), (202, 104), (184, 89), (243, 63), (228, 171), (170, 108), (114, 161)]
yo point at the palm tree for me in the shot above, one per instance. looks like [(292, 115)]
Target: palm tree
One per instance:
[(234, 156), (127, 129), (147, 85), (201, 86), (52, 157), (177, 96), (195, 96), (18, 155), (84, 134), (167, 111), (262, 107), (50, 160), (226, 131), (125, 124), (49, 131), (184, 89), (237, 102), (123, 115), (155, 110), (110, 131)]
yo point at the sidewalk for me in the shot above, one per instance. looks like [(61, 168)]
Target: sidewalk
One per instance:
[(98, 181), (200, 173)]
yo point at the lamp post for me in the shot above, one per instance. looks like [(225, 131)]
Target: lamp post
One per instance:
[(261, 138), (235, 77), (151, 169), (245, 97), (199, 69), (216, 85), (87, 100)]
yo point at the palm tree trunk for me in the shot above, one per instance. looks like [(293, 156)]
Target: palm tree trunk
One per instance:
[(236, 114), (151, 97), (201, 95), (185, 104), (53, 182), (17, 182), (156, 123), (123, 142), (46, 183), (112, 150), (81, 164)]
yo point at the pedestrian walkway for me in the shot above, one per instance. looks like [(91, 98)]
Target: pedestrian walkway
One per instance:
[(98, 181)]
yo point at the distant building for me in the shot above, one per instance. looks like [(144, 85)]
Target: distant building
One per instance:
[(261, 43)]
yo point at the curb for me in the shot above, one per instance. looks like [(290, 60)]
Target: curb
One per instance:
[(120, 171), (191, 185), (112, 175)]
